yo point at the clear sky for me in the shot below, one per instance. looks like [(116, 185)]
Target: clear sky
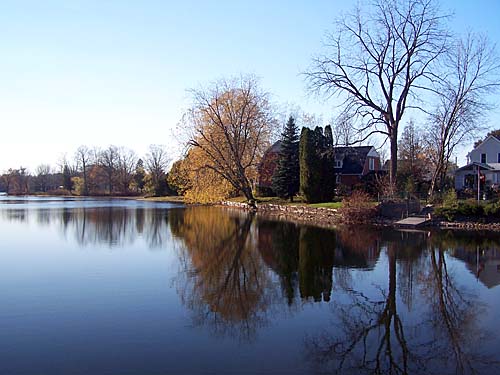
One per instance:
[(116, 72)]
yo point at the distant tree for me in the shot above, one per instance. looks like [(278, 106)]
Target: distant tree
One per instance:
[(83, 159), (344, 132), (139, 176), (127, 161), (43, 172), (286, 178), (230, 123), (156, 164), (413, 161), (108, 160), (67, 175)]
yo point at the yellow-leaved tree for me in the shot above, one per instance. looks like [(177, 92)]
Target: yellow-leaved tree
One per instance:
[(229, 127)]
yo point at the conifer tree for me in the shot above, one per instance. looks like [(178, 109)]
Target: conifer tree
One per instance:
[(285, 181), (317, 178)]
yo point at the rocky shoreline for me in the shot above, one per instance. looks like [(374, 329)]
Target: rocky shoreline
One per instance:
[(330, 217)]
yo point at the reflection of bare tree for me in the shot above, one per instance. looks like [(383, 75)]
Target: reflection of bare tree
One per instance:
[(224, 281), (371, 335), (453, 317)]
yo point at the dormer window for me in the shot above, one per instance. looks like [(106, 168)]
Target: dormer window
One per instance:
[(483, 158)]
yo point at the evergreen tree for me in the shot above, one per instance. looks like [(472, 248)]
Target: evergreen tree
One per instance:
[(285, 181), (67, 182), (317, 178), (139, 176)]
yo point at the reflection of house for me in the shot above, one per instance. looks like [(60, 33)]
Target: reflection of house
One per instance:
[(483, 263), (484, 161), (352, 165)]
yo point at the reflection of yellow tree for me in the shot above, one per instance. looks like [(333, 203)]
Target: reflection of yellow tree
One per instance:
[(225, 281)]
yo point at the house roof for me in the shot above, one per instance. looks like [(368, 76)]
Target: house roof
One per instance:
[(482, 166), (276, 147), (353, 158)]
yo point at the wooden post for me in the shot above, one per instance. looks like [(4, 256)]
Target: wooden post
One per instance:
[(478, 184)]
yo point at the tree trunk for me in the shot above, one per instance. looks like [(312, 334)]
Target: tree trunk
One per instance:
[(394, 157)]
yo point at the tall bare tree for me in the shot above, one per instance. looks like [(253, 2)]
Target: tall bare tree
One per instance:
[(156, 164), (83, 159), (379, 60), (231, 122), (473, 74), (108, 160), (127, 161)]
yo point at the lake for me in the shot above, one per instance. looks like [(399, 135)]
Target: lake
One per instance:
[(98, 286)]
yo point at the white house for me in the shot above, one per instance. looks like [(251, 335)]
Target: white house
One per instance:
[(483, 161)]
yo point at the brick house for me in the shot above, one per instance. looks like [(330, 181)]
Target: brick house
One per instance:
[(266, 169), (352, 166)]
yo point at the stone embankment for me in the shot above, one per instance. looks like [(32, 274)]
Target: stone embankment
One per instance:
[(328, 217), (467, 225), (301, 214)]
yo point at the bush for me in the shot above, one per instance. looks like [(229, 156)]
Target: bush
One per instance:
[(450, 199), (492, 209), (358, 208), (470, 208)]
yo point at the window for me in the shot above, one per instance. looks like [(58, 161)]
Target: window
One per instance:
[(498, 160), (338, 163), (337, 179), (483, 158), (371, 164)]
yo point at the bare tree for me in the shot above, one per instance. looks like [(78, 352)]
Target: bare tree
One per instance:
[(108, 160), (43, 172), (127, 161), (231, 122), (156, 164), (379, 61), (83, 159), (473, 74), (344, 132)]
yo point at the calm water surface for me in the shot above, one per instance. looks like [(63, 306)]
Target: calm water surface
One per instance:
[(125, 287)]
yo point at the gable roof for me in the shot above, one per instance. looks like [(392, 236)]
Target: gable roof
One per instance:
[(353, 158), (491, 136)]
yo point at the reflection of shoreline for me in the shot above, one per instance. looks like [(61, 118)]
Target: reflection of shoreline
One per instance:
[(110, 226)]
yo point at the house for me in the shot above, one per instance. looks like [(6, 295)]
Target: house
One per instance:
[(352, 165), (266, 169), (482, 162)]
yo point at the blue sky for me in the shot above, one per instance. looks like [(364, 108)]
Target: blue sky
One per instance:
[(116, 72)]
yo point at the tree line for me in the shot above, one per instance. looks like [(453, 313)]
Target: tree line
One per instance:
[(93, 171)]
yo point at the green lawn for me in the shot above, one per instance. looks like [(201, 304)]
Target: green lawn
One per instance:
[(327, 205), (296, 202)]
